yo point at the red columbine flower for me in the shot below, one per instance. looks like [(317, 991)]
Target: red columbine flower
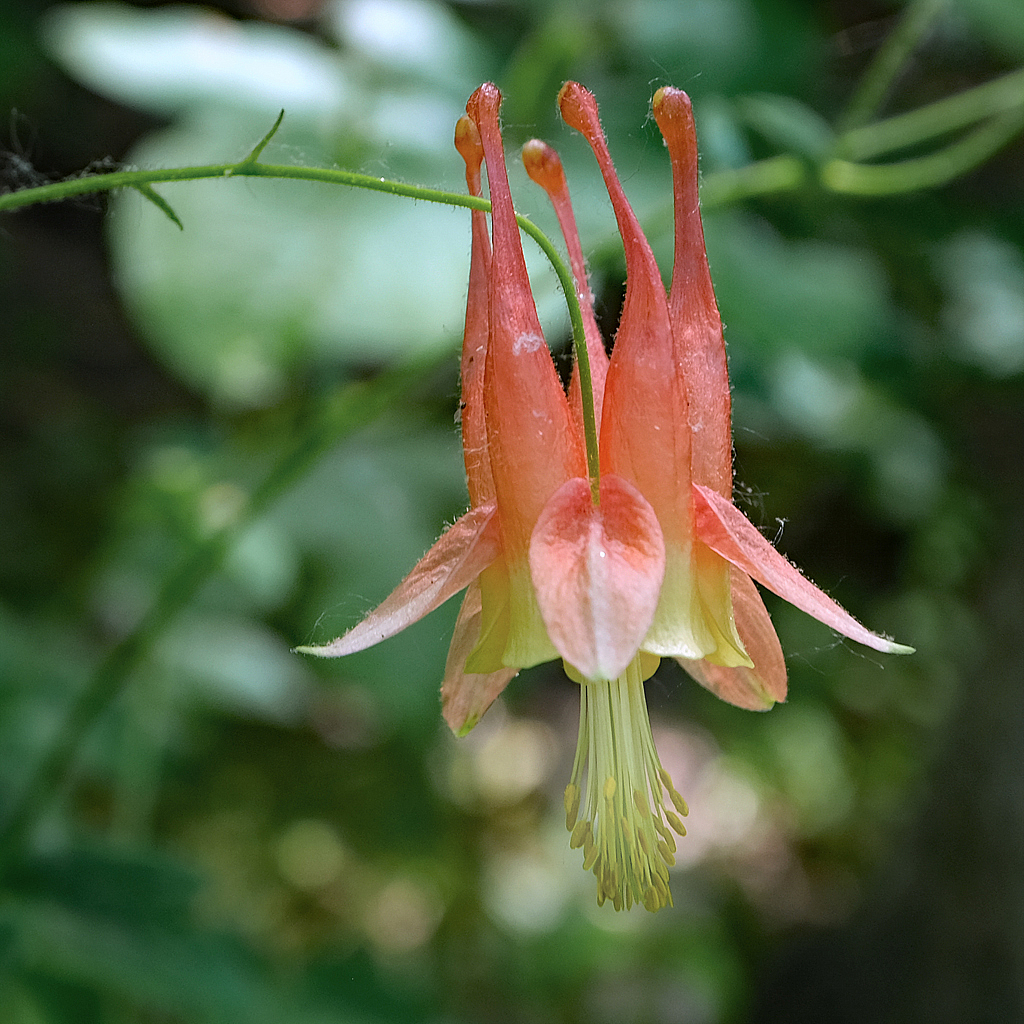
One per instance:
[(610, 568)]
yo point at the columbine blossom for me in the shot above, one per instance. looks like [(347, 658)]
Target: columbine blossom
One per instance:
[(611, 566)]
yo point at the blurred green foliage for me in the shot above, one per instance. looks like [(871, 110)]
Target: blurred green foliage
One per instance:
[(243, 835)]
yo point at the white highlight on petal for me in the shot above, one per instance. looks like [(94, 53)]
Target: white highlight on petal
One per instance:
[(527, 342)]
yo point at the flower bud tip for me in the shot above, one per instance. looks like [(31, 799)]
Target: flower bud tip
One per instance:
[(543, 166), (670, 102), (486, 98), (578, 108), (467, 142)]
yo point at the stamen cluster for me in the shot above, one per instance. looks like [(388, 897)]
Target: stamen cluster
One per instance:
[(626, 830)]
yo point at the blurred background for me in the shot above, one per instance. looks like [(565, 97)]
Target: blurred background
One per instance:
[(204, 827)]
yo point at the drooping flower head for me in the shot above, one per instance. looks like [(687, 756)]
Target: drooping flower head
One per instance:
[(608, 563)]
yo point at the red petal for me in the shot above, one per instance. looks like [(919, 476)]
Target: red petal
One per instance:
[(696, 324), (645, 431), (533, 443), (474, 342), (458, 556), (757, 688), (725, 529), (465, 696), (543, 165), (597, 571)]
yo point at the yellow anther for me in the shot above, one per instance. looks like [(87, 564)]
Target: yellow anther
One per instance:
[(572, 804), (652, 900), (632, 896), (674, 796), (664, 893), (641, 835), (675, 823), (627, 832), (640, 802), (579, 834), (670, 840), (666, 854), (609, 788)]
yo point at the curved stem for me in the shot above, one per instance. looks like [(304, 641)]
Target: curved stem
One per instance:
[(72, 187), (892, 56), (565, 279), (926, 171), (999, 96), (781, 173), (144, 180)]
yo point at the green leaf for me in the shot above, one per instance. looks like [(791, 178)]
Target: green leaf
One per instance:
[(148, 192), (122, 924), (254, 156)]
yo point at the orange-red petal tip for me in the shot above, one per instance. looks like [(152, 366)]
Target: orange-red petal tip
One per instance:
[(486, 99), (467, 142), (725, 529), (578, 108), (670, 103), (456, 559), (543, 165)]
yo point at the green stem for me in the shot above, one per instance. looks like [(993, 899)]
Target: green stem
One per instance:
[(926, 171), (774, 174), (354, 407), (72, 187), (891, 57), (144, 180), (999, 96)]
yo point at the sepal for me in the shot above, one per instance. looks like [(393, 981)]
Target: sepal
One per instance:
[(457, 558), (725, 529), (465, 696), (759, 686)]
